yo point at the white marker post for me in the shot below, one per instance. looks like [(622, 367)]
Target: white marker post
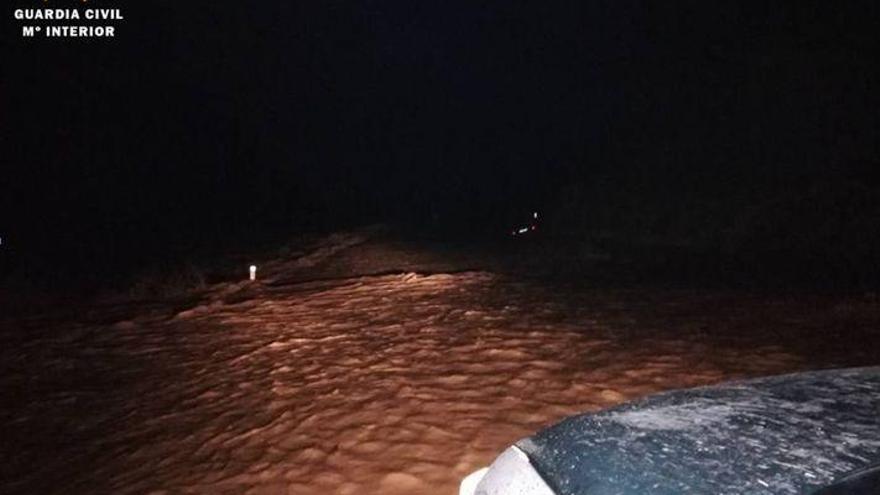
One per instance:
[(253, 270)]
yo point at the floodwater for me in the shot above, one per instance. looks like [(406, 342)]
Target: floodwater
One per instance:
[(379, 384)]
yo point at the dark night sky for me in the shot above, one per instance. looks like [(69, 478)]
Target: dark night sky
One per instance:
[(203, 121)]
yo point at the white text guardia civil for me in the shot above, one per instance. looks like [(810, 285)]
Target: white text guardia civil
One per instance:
[(67, 14)]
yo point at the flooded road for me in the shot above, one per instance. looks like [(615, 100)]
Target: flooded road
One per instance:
[(381, 384)]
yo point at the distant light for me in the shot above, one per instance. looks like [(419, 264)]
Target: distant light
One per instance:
[(535, 215), (523, 230), (253, 270)]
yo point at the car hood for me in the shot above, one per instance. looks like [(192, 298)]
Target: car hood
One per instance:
[(788, 434)]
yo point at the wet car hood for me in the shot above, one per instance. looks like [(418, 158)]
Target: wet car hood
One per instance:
[(789, 434)]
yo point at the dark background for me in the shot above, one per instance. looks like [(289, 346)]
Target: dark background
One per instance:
[(744, 128)]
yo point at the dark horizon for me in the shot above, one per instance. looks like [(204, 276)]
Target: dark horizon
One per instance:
[(197, 127)]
